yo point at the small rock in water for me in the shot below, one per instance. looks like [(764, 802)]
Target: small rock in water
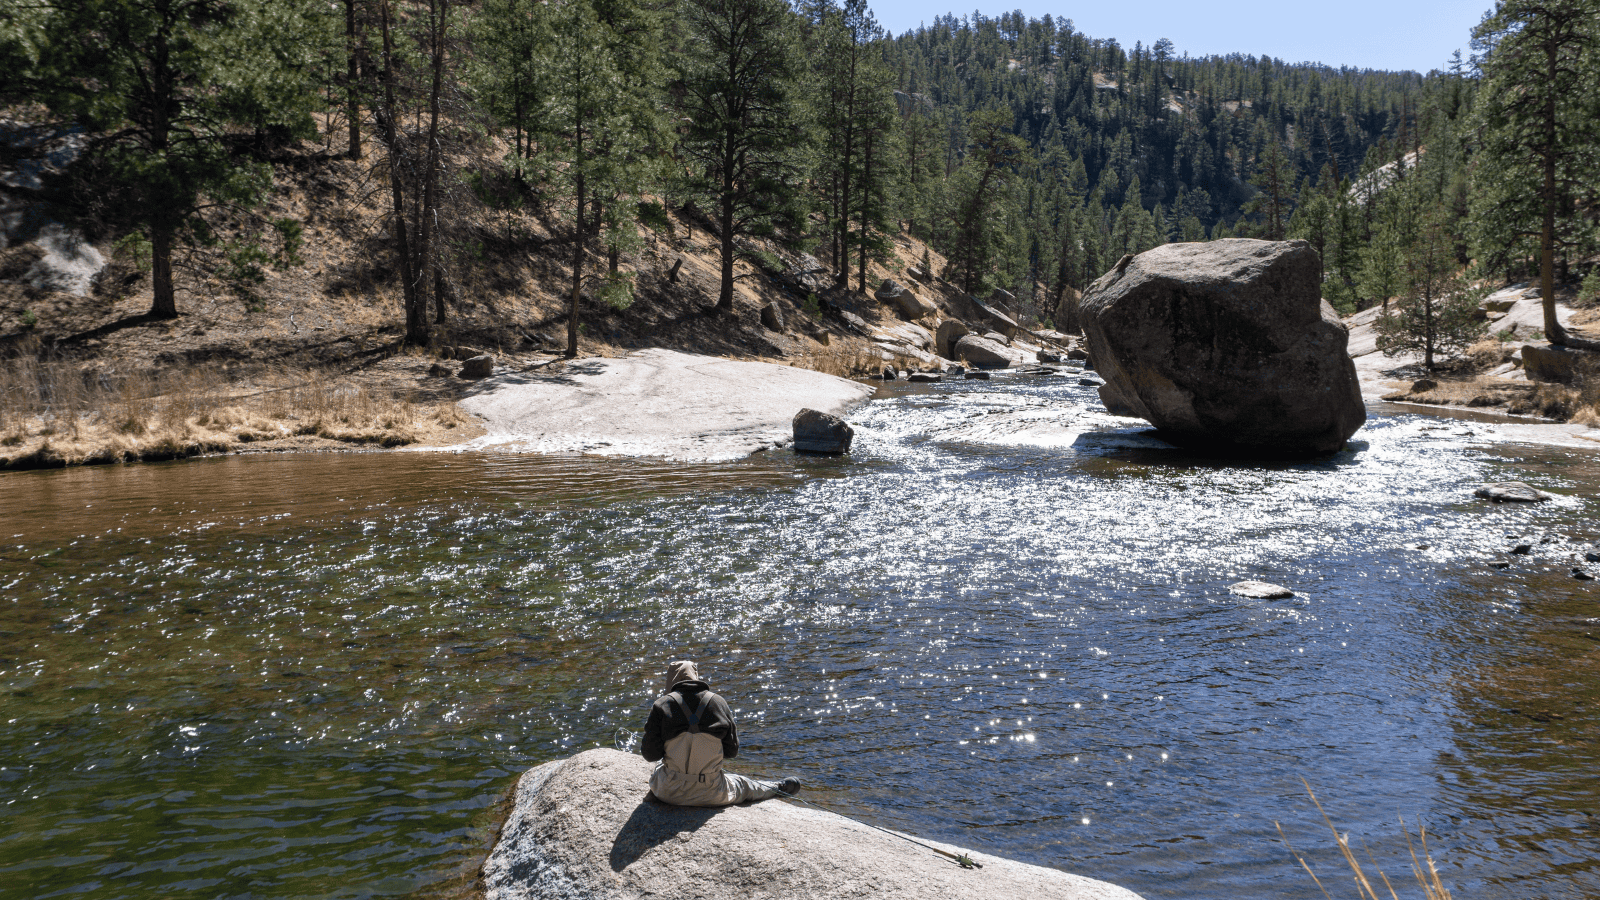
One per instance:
[(1499, 563), (889, 373), (1522, 549), (925, 376), (819, 432), (980, 376), (1591, 556), (1090, 381), (1510, 492), (1260, 590), (1048, 356), (1581, 575)]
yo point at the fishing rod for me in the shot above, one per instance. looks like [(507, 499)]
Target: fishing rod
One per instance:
[(964, 860)]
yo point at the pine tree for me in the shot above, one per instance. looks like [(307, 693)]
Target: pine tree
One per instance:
[(1435, 313), (978, 197), (164, 87), (1539, 130), (735, 90)]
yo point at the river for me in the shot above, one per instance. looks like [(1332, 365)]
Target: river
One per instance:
[(315, 675)]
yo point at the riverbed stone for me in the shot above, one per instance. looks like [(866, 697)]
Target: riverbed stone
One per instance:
[(477, 367), (1511, 492), (889, 373), (925, 377), (1260, 590), (819, 432), (982, 352), (587, 828), (1226, 346)]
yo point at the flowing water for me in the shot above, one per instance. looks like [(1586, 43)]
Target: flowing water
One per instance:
[(315, 675)]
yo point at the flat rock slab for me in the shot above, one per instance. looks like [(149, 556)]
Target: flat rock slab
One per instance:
[(582, 829), (1260, 590), (1511, 492), (653, 403)]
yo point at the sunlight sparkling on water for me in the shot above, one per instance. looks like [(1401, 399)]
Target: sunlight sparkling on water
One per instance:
[(1003, 622)]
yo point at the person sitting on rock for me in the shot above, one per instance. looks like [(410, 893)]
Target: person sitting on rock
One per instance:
[(689, 733)]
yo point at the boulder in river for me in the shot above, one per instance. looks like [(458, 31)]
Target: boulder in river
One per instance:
[(1226, 346), (818, 432), (1511, 492), (477, 367), (586, 828), (982, 352), (926, 376), (1260, 590)]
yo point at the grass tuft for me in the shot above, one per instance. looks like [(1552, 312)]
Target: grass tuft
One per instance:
[(1423, 869)]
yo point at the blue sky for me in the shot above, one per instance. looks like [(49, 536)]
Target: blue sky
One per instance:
[(1373, 34)]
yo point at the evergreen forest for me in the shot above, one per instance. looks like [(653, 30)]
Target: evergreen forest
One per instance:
[(1031, 155)]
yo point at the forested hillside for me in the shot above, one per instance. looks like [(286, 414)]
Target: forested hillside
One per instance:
[(1031, 155)]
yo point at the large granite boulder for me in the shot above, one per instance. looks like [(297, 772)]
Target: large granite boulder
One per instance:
[(995, 318), (909, 304), (819, 432), (1548, 362), (983, 353), (950, 331), (586, 828), (1226, 346)]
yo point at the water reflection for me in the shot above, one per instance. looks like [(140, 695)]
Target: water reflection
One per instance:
[(310, 675)]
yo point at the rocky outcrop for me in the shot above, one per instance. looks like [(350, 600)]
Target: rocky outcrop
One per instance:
[(996, 319), (585, 828), (982, 353), (1226, 346), (819, 432)]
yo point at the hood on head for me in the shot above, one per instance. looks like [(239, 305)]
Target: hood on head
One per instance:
[(679, 670)]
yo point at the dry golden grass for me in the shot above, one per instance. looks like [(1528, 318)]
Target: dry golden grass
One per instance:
[(57, 413), (1422, 867)]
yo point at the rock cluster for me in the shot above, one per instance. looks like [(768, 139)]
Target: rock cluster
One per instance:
[(585, 828), (1226, 346)]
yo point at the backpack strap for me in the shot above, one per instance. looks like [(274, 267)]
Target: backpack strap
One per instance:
[(693, 715)]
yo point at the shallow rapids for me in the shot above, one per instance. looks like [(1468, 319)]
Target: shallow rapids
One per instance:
[(1003, 622)]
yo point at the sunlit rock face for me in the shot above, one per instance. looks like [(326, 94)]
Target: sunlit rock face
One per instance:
[(1226, 347)]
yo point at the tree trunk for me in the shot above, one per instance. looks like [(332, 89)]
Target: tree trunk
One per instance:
[(427, 252), (165, 305), (1553, 332), (353, 77), (416, 323), (866, 190), (577, 262), (725, 219)]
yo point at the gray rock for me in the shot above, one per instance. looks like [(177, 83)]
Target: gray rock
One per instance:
[(982, 353), (1591, 556), (1544, 362), (996, 337), (1522, 549), (1510, 492), (854, 321), (1581, 575), (916, 273), (586, 828), (818, 432), (925, 376), (889, 290), (477, 367), (1226, 345), (950, 331), (1077, 353), (1091, 381), (889, 373), (975, 376), (1048, 356), (995, 319), (909, 305), (462, 353), (1260, 590), (1499, 564), (772, 318)]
